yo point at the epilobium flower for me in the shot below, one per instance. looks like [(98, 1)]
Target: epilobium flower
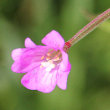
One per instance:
[(45, 66), (48, 66)]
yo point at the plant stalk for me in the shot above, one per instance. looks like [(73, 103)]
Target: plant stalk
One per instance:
[(87, 29)]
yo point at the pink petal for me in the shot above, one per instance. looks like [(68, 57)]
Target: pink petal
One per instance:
[(62, 78), (40, 80), (53, 39), (20, 68), (65, 61), (28, 59), (16, 53), (29, 43), (63, 71)]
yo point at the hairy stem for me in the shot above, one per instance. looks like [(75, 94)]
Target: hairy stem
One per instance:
[(87, 29)]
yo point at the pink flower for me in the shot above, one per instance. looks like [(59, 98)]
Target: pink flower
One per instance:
[(45, 66)]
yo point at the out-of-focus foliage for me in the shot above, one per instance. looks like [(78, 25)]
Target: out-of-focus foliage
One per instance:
[(89, 79)]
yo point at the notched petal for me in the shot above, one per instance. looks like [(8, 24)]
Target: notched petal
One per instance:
[(53, 39)]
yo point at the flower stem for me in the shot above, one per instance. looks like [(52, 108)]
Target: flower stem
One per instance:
[(87, 29)]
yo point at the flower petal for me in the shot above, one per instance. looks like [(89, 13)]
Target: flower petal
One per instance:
[(62, 80), (29, 43), (53, 39), (28, 59), (19, 67), (62, 77), (16, 53), (63, 71), (65, 62), (39, 79)]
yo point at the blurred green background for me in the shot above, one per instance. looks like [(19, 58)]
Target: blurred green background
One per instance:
[(89, 79)]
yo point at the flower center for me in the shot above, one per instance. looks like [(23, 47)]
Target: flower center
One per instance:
[(51, 59)]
